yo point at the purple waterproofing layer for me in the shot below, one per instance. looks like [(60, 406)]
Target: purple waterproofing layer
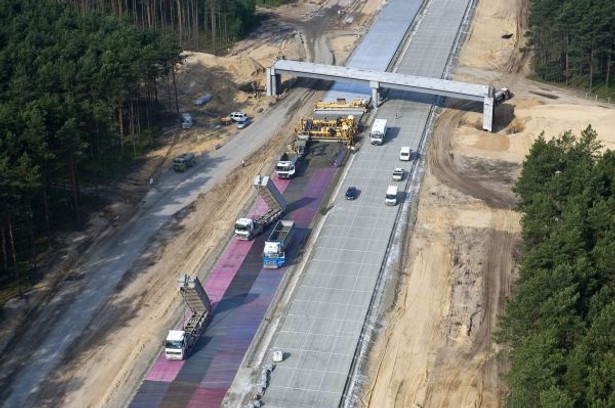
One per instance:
[(241, 292)]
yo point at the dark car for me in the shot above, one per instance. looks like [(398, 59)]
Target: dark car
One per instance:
[(245, 123), (351, 193)]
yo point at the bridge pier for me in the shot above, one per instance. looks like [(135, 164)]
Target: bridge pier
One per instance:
[(375, 85), (488, 108), (273, 82)]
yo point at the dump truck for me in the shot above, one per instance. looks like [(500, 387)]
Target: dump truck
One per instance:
[(274, 253), (248, 228), (378, 132), (286, 167), (179, 343)]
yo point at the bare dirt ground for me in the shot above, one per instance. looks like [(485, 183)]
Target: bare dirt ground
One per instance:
[(110, 358), (436, 349)]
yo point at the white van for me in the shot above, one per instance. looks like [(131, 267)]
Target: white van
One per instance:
[(238, 116), (404, 153), (391, 197)]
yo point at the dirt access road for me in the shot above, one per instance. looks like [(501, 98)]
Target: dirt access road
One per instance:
[(94, 329), (436, 347)]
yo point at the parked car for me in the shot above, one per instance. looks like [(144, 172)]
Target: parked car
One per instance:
[(238, 116), (245, 123), (351, 193), (202, 100)]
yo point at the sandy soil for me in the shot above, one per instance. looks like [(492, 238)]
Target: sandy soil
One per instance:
[(436, 349)]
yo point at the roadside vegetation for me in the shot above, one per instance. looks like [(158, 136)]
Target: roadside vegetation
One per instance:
[(573, 42), (80, 82), (78, 101), (559, 327), (198, 25)]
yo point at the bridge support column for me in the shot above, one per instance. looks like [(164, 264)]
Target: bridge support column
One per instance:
[(273, 82), (375, 85), (488, 107)]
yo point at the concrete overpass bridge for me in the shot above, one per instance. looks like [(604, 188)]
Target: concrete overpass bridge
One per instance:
[(488, 95)]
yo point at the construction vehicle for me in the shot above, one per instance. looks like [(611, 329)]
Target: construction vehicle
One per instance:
[(179, 343), (341, 129), (286, 167), (248, 228), (378, 132), (341, 104), (274, 253), (183, 162)]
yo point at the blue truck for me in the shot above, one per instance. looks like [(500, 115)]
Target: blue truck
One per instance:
[(274, 254)]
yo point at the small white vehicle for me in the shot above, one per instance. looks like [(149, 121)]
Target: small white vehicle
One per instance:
[(398, 174), (405, 153), (391, 196), (239, 116)]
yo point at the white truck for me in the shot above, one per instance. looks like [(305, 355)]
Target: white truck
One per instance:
[(178, 343), (274, 253), (378, 132), (286, 167), (248, 228), (391, 196)]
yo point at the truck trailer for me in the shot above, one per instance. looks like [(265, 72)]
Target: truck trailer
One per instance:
[(378, 132), (248, 228), (179, 343), (274, 253)]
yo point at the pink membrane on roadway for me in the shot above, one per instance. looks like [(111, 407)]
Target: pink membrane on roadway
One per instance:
[(216, 285)]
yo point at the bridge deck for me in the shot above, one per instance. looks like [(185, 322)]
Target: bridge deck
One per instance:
[(412, 83)]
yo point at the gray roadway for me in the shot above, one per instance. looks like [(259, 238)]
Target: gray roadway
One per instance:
[(322, 328)]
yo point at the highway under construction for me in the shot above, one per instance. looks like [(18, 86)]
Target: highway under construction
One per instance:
[(310, 357)]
